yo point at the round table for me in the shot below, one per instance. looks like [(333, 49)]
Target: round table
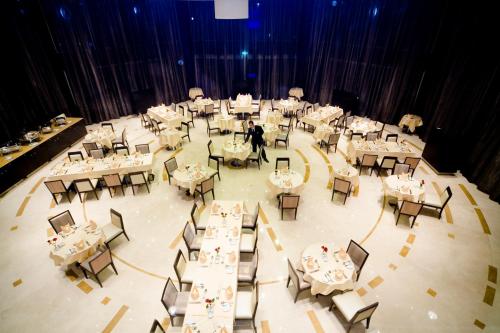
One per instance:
[(411, 121), (191, 175), (404, 187), (236, 150), (296, 92), (274, 118), (226, 123), (285, 181), (327, 271), (348, 173), (193, 92), (103, 136), (288, 104), (63, 245), (363, 126), (201, 102), (170, 137), (322, 132), (271, 131)]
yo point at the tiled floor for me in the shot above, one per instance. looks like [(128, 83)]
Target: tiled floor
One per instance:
[(440, 276)]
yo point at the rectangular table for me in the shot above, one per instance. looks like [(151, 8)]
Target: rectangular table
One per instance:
[(216, 275), (323, 115), (165, 115), (356, 149), (96, 168)]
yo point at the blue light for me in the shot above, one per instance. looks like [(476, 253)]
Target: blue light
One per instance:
[(258, 4), (192, 18), (180, 62), (64, 13), (374, 11), (251, 75), (244, 53), (334, 3), (253, 24), (135, 9)]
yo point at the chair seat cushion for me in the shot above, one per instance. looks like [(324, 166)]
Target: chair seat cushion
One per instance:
[(247, 243), (244, 305), (281, 137), (253, 156), (189, 272), (213, 124), (432, 200), (248, 221), (111, 231), (348, 303), (246, 271), (303, 284), (196, 244), (181, 301)]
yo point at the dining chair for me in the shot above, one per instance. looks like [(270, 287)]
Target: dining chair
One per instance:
[(408, 208), (185, 130), (108, 125), (196, 218), (289, 201), (217, 167), (348, 121), (114, 228), (286, 124), (256, 111), (371, 136), (156, 327), (282, 160), (388, 163), (247, 269), (391, 137), (356, 136), (333, 140), (96, 263), (170, 167), (113, 181), (353, 308), (142, 148), (249, 239), (85, 185), (250, 220), (367, 161), (297, 279), (212, 126), (144, 121), (358, 256), (191, 239), (121, 150), (217, 105), (75, 156), (149, 122), (440, 203), (122, 140), (254, 157), (209, 111), (380, 131), (174, 301), (97, 153), (61, 219), (341, 186), (412, 162), (282, 137), (205, 187), (340, 123), (88, 146), (401, 168), (247, 301), (213, 153), (185, 270), (56, 187), (137, 179), (187, 119)]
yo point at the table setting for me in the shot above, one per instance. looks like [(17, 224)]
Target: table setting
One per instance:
[(285, 181), (102, 135), (190, 175), (357, 148), (363, 125), (411, 121), (201, 102), (404, 187), (288, 105), (349, 173), (165, 115), (236, 149), (322, 132), (324, 114), (170, 137), (274, 118)]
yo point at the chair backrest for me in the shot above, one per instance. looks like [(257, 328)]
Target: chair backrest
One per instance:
[(61, 219), (180, 265), (391, 137), (316, 106), (171, 166), (148, 118), (412, 161), (255, 299), (445, 196), (341, 185), (75, 156), (401, 168), (255, 262), (156, 327), (142, 148), (116, 219), (371, 136), (97, 153), (88, 146), (169, 296), (100, 262), (364, 313), (198, 97), (188, 234), (341, 120), (209, 108), (244, 124), (349, 120), (112, 180), (357, 253), (121, 150), (56, 186), (256, 214), (124, 135), (83, 185), (334, 138), (137, 178), (293, 274), (290, 201), (388, 162), (280, 160), (356, 136), (155, 124), (195, 214), (182, 110), (309, 108), (207, 185), (108, 125), (368, 160), (210, 146), (410, 208), (348, 113), (185, 127)]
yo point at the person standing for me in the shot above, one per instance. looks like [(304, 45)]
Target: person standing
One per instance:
[(257, 134)]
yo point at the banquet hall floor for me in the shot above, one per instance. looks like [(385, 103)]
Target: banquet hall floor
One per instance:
[(437, 277)]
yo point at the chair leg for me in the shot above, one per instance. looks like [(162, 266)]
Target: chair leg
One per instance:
[(288, 282), (368, 322), (133, 189), (114, 268), (99, 281), (147, 186), (110, 193), (296, 296), (397, 220), (126, 236), (84, 272), (80, 196)]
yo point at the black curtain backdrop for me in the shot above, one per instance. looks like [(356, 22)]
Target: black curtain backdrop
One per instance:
[(437, 59)]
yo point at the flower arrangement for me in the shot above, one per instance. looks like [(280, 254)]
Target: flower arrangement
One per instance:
[(209, 302), (217, 249), (52, 241), (324, 248)]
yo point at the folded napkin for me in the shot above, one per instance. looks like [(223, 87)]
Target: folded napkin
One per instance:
[(229, 293), (66, 228), (92, 225), (236, 232), (195, 294), (231, 257), (79, 245)]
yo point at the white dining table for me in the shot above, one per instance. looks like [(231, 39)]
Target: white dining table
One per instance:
[(356, 149), (165, 115), (216, 271), (190, 175), (103, 136), (404, 187), (285, 181)]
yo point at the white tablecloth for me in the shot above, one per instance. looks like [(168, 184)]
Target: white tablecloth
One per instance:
[(356, 149), (271, 131), (63, 249), (274, 118), (363, 125), (411, 121), (96, 168), (192, 174), (243, 104), (327, 272), (164, 114), (216, 272), (288, 105), (323, 115), (170, 137), (404, 187), (201, 102), (104, 136), (193, 92), (296, 92), (285, 181), (236, 149), (348, 173), (226, 122), (322, 132)]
